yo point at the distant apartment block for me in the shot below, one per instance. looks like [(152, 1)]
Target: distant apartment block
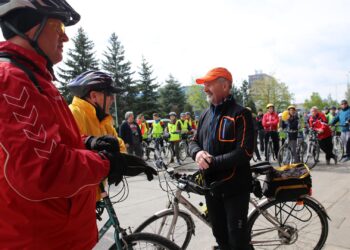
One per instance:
[(258, 76)]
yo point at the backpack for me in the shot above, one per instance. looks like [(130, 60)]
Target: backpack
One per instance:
[(288, 182)]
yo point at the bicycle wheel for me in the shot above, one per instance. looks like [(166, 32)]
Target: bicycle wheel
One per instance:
[(166, 154), (145, 152), (285, 155), (301, 151), (304, 222), (161, 225), (312, 156), (338, 147), (182, 150), (146, 241)]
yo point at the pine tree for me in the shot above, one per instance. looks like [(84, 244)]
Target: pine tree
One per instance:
[(80, 59), (148, 96), (115, 64), (172, 97)]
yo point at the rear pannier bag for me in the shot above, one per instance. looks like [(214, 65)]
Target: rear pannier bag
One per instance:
[(288, 182)]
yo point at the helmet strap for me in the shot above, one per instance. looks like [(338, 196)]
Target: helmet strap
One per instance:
[(34, 42)]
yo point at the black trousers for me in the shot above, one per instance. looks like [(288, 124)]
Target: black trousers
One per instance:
[(228, 216), (327, 146), (175, 148), (135, 149), (275, 141), (261, 134), (158, 142)]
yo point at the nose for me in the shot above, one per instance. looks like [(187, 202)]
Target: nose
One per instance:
[(65, 37)]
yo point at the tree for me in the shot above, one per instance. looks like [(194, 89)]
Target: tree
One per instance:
[(115, 64), (172, 97), (316, 100), (80, 59), (271, 91), (237, 94), (196, 98), (148, 96), (347, 93)]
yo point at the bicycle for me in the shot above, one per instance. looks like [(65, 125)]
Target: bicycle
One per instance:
[(271, 223), (183, 147), (285, 154), (270, 150), (338, 145), (124, 240), (313, 150)]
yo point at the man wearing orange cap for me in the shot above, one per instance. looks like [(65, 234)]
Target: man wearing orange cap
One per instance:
[(222, 149)]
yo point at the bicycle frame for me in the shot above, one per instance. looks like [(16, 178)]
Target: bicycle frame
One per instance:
[(112, 221)]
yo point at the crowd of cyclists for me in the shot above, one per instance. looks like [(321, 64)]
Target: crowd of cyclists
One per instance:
[(326, 123), (157, 130)]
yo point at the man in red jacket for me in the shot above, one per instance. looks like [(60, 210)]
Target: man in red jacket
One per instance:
[(270, 122), (318, 122), (48, 178)]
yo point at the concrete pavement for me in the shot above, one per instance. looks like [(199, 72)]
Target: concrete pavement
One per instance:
[(331, 186)]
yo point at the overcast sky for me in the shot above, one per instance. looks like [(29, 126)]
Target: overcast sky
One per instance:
[(304, 43)]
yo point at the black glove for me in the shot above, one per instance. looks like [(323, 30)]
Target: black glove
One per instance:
[(118, 166), (136, 165), (105, 142)]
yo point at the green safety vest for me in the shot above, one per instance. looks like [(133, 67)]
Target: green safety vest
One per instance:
[(330, 117), (157, 130), (174, 136), (184, 126)]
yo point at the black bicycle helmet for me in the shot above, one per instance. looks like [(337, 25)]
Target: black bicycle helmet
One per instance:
[(52, 8), (18, 16), (92, 80)]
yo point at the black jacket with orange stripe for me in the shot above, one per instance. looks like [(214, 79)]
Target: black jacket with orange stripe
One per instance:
[(226, 131)]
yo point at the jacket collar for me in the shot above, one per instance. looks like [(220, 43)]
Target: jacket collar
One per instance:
[(228, 101), (31, 56)]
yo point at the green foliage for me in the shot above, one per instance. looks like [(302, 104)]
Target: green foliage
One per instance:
[(316, 100), (172, 97), (196, 98), (80, 59), (148, 96), (270, 91), (115, 64)]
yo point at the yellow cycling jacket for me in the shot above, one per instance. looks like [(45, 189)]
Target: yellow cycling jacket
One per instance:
[(85, 116)]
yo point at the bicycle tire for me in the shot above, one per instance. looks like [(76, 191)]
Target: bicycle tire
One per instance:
[(182, 240), (146, 241), (302, 151), (145, 152), (312, 155), (285, 155), (338, 147), (182, 151), (166, 155), (299, 234)]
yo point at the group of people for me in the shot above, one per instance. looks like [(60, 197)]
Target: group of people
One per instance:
[(134, 132), (325, 124), (53, 156)]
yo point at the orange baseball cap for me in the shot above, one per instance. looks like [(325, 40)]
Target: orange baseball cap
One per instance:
[(215, 74)]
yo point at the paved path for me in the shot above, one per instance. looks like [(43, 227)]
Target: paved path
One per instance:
[(331, 186)]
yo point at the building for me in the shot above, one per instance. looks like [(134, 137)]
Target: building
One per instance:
[(258, 76)]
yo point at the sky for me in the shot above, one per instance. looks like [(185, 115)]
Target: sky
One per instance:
[(304, 43)]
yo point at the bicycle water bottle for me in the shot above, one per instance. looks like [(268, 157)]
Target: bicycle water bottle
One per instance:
[(204, 211)]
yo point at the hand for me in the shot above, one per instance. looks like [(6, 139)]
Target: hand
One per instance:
[(117, 166), (136, 165), (106, 142), (203, 159)]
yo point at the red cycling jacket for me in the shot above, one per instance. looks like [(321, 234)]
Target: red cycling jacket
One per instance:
[(270, 121), (318, 123), (47, 179)]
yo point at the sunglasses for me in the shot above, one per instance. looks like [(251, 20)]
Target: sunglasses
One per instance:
[(58, 25)]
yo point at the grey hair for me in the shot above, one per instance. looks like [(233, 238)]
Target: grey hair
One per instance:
[(223, 80), (128, 114)]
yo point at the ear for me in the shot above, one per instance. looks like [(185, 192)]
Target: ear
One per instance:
[(93, 95)]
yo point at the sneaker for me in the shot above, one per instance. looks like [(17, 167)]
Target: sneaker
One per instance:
[(345, 159)]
